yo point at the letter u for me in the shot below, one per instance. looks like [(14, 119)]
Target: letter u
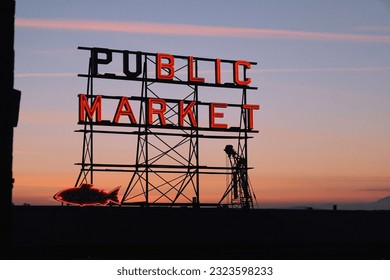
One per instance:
[(138, 62)]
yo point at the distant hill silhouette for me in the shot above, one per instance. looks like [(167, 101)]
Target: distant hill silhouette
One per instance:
[(380, 204), (383, 203)]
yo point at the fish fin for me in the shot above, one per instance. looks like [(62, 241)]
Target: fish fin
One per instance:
[(113, 195), (86, 186)]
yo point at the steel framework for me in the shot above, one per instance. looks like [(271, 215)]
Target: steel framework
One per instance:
[(167, 167)]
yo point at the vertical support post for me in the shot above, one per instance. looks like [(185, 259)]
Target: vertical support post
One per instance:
[(87, 153), (246, 126), (247, 194), (146, 135), (90, 93), (196, 97)]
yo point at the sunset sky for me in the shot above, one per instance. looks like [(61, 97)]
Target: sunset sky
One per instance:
[(323, 78)]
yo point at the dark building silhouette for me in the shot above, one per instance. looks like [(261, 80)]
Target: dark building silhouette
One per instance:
[(9, 111)]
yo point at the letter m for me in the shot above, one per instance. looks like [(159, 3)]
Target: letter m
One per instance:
[(84, 107)]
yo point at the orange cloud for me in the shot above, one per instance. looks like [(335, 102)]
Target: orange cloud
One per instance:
[(192, 30)]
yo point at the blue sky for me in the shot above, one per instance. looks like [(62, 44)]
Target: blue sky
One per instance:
[(323, 77)]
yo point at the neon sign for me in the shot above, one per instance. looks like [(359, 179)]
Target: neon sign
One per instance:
[(86, 194), (165, 65), (167, 125), (157, 107)]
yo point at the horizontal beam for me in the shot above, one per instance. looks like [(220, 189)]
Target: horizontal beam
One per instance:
[(113, 76), (167, 126), (168, 100), (166, 134), (164, 166), (175, 204), (151, 171)]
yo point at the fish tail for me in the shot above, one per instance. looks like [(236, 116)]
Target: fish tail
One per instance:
[(113, 195)]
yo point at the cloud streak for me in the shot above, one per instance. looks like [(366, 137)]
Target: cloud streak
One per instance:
[(45, 75), (374, 28), (326, 69), (192, 30)]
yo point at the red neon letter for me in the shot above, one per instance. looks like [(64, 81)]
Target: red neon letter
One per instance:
[(218, 71), (250, 109), (236, 73), (167, 66), (191, 77), (124, 103), (160, 112), (187, 111), (214, 115), (84, 107)]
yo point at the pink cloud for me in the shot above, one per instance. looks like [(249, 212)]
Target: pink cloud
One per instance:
[(192, 30), (374, 28)]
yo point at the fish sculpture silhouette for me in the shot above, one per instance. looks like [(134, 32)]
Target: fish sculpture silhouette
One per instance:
[(86, 194)]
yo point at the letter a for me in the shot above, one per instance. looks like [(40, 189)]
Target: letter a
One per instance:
[(124, 103)]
